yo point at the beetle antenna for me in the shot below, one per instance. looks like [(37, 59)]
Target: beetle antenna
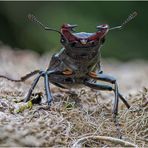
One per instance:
[(31, 17), (130, 17)]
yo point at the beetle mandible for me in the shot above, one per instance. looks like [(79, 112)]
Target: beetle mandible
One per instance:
[(77, 63)]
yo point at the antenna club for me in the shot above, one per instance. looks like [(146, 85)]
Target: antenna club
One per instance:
[(130, 17), (29, 16), (135, 13)]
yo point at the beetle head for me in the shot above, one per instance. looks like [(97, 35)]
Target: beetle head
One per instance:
[(69, 39)]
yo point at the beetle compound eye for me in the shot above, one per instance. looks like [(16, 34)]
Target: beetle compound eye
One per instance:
[(63, 40), (92, 43)]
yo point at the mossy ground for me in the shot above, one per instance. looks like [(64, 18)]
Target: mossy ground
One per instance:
[(74, 114)]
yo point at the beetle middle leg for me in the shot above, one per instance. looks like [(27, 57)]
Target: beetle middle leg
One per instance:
[(47, 88), (32, 87)]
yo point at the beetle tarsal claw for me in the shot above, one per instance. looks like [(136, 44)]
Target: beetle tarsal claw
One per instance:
[(67, 72)]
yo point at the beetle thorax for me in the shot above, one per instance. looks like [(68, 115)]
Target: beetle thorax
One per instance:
[(82, 53), (78, 62)]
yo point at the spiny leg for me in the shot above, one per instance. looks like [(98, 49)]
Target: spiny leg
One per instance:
[(47, 89), (107, 78), (23, 78), (123, 100), (32, 87), (98, 86), (27, 76), (59, 85), (115, 110), (46, 83), (116, 102), (109, 88), (48, 75), (110, 79)]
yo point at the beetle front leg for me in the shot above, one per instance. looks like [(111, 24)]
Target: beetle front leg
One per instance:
[(107, 88), (112, 80), (47, 89), (32, 87), (56, 78), (109, 79), (115, 108), (49, 76), (46, 83)]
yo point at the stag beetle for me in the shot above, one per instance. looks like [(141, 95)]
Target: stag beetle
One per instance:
[(77, 63)]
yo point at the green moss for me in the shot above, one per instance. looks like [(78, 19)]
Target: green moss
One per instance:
[(27, 105)]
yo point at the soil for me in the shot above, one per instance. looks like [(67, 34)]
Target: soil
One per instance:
[(77, 117)]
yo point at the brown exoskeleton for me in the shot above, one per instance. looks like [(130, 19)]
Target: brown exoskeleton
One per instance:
[(77, 63)]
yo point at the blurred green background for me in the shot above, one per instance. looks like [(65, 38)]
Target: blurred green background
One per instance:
[(130, 43)]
